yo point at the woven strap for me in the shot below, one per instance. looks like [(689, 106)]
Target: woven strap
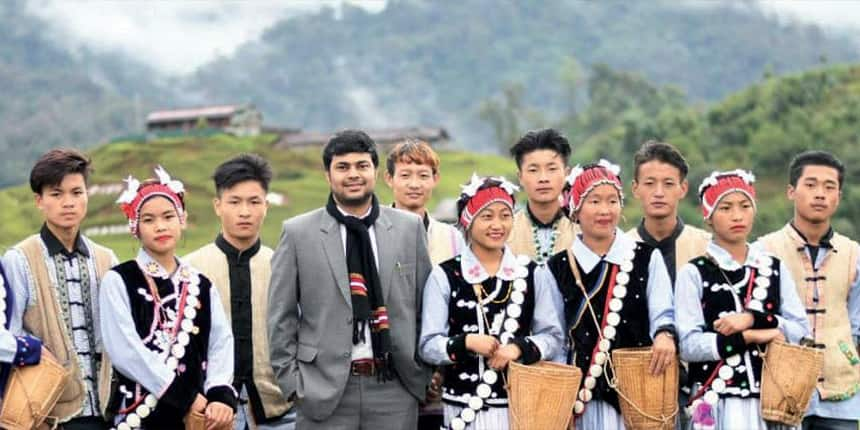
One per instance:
[(479, 293), (664, 420)]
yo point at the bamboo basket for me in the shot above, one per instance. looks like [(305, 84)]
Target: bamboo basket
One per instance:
[(31, 394), (195, 421), (541, 395), (789, 377), (647, 402)]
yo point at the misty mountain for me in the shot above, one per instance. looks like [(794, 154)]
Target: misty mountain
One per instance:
[(55, 97), (416, 62), (435, 62)]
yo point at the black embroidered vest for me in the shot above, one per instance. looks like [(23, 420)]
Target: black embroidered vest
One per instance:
[(716, 301), (191, 370), (462, 377), (634, 328)]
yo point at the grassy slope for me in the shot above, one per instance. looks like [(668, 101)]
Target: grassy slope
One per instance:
[(298, 175)]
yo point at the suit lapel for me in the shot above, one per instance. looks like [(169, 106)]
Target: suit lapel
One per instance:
[(333, 247), (385, 247)]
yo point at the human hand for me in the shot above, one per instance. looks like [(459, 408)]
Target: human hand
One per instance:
[(734, 323), (482, 344)]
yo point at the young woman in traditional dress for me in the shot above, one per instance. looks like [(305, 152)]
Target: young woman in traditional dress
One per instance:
[(730, 303), (482, 310), (163, 324), (617, 293)]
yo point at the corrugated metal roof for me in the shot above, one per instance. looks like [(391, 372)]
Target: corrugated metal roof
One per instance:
[(192, 113)]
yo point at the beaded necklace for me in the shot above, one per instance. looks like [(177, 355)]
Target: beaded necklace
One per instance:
[(543, 253)]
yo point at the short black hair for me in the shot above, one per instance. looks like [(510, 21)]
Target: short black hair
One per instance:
[(814, 158), (244, 167), (548, 138), (349, 141), (53, 166), (663, 152)]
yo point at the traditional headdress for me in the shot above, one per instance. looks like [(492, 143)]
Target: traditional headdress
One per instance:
[(582, 180), (477, 198), (136, 194), (720, 184)]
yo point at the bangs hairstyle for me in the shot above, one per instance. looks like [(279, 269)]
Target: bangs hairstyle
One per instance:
[(245, 167), (663, 152), (463, 200), (152, 182), (548, 138), (347, 142), (52, 167), (412, 151), (814, 158)]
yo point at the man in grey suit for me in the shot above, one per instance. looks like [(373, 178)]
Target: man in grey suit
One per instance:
[(344, 302)]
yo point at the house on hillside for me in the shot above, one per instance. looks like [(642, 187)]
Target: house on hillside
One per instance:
[(435, 136), (240, 120)]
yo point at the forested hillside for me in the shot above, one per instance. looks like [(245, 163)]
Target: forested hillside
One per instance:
[(460, 65), (55, 97), (436, 62), (759, 128)]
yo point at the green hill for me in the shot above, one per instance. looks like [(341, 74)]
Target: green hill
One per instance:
[(415, 62), (298, 176), (760, 128), (437, 61)]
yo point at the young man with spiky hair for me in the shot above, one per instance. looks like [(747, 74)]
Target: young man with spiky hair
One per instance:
[(660, 183), (55, 275), (541, 229), (412, 172), (239, 266), (344, 301), (824, 265)]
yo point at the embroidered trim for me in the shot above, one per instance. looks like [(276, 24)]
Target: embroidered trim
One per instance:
[(59, 262), (617, 290), (180, 336), (510, 325), (3, 303), (717, 384)]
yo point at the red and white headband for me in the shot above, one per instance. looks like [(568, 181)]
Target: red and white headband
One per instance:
[(582, 180), (720, 184), (483, 197), (131, 200)]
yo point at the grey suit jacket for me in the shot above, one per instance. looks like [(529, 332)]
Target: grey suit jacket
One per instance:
[(310, 348)]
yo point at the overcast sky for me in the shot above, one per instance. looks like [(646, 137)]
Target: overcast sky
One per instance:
[(178, 36)]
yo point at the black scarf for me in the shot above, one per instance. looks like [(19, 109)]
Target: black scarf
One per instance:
[(368, 306)]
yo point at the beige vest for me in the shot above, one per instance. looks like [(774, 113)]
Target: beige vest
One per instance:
[(42, 319), (691, 243), (829, 321), (522, 241), (443, 241), (210, 261)]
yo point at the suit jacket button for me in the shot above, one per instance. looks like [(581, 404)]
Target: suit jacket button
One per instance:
[(349, 321), (345, 355)]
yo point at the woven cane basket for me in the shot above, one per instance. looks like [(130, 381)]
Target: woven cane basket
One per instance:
[(647, 401), (195, 421), (541, 395), (789, 378), (31, 394)]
